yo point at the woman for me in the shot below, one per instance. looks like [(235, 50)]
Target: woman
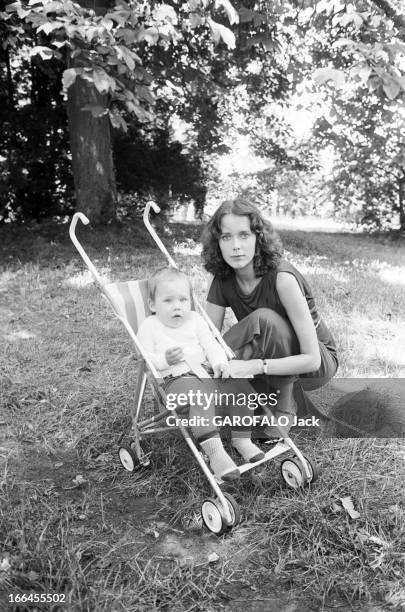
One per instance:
[(280, 338)]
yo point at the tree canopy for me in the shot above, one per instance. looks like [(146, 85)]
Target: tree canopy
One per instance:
[(121, 101)]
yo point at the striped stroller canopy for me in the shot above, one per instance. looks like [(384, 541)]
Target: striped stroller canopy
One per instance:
[(129, 300)]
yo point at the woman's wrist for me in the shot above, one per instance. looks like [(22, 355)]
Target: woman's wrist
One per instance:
[(259, 367)]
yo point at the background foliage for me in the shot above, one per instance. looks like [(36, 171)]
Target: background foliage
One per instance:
[(170, 88)]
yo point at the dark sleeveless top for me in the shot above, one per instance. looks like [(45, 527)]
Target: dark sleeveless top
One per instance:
[(226, 292)]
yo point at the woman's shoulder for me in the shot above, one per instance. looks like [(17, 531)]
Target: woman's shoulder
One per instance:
[(220, 290), (285, 266)]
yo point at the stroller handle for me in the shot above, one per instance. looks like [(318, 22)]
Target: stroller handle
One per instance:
[(152, 232), (83, 254)]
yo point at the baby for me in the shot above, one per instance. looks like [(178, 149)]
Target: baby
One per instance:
[(179, 342)]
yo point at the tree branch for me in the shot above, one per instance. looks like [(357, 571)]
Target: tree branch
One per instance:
[(392, 13)]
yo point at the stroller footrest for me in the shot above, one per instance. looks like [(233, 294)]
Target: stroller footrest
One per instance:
[(278, 449)]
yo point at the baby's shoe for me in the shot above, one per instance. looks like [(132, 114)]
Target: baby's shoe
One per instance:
[(249, 451), (220, 462)]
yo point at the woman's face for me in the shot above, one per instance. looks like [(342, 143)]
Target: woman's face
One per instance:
[(237, 242)]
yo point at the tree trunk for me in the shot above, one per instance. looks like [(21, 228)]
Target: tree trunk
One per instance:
[(92, 162)]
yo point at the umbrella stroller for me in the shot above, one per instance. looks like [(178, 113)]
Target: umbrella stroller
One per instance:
[(129, 301)]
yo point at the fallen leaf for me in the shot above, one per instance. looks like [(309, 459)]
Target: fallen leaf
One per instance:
[(378, 541), (105, 457), (362, 536), (103, 563), (5, 565), (347, 504), (79, 480), (78, 530)]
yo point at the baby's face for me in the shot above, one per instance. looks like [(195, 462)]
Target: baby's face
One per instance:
[(172, 303)]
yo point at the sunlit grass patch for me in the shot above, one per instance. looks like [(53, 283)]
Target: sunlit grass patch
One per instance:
[(392, 274)]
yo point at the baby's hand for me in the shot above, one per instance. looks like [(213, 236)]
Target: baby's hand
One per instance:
[(174, 355), (222, 370)]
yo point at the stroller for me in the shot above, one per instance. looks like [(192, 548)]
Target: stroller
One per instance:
[(220, 512)]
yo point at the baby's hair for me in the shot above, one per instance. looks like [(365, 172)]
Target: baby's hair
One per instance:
[(162, 274)]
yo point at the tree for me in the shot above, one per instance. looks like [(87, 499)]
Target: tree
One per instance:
[(367, 136), (35, 179), (364, 119), (151, 165), (356, 58), (138, 64), (104, 73)]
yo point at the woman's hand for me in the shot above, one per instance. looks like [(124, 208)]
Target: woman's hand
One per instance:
[(222, 370), (245, 369)]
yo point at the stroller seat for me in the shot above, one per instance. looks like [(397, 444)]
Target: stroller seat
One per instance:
[(129, 300)]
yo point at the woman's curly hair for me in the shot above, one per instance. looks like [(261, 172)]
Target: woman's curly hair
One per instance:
[(268, 250)]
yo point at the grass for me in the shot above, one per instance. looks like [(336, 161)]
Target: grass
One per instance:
[(113, 541)]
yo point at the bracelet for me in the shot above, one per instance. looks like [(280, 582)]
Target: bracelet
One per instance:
[(265, 366)]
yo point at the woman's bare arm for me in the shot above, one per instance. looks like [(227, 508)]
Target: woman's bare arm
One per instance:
[(296, 307), (309, 359)]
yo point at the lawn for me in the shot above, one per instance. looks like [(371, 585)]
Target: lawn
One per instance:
[(73, 522)]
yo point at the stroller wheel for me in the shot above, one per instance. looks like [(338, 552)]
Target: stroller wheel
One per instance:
[(212, 514), (313, 468), (142, 459), (212, 517), (128, 458), (292, 473), (233, 508)]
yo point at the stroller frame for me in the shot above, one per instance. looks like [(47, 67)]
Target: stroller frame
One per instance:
[(222, 512)]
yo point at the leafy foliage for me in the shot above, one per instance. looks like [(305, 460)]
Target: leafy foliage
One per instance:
[(369, 170), (363, 120), (149, 165), (108, 52), (226, 70), (105, 50)]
